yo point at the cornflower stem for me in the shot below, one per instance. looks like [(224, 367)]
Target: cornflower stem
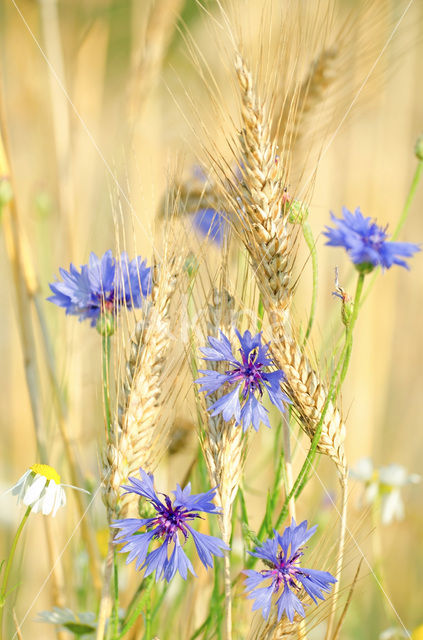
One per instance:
[(260, 313), (138, 608), (340, 370), (105, 343), (308, 237), (114, 623), (147, 632), (410, 197), (349, 331), (288, 466), (9, 566)]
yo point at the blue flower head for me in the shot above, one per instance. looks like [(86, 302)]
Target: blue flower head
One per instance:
[(212, 224), (103, 285), (281, 555), (366, 243), (245, 379), (170, 526)]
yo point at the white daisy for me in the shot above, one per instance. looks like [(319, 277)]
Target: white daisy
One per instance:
[(40, 488), (384, 484)]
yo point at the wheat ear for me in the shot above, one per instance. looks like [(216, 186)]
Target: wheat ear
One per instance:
[(273, 630), (269, 242), (148, 377)]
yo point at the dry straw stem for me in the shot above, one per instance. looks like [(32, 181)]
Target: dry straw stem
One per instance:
[(268, 238), (149, 57)]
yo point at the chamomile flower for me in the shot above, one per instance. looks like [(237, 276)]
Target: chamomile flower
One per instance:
[(384, 484), (40, 488), (78, 623)]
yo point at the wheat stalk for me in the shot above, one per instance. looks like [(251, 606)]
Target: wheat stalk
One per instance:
[(222, 442)]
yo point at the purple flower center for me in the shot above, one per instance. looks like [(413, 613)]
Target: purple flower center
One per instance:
[(284, 571), (171, 520), (376, 237), (249, 372)]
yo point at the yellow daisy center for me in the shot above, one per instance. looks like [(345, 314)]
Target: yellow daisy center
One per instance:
[(46, 471)]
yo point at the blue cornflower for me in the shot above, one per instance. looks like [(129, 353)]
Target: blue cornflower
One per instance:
[(103, 285), (212, 224), (366, 243), (285, 573), (170, 525), (248, 378)]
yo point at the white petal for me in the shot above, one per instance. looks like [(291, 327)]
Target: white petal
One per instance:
[(394, 475), (17, 488), (371, 492), (36, 507), (363, 469), (392, 507), (60, 499), (49, 497), (35, 490)]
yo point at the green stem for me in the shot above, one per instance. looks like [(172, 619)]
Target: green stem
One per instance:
[(260, 314), (349, 331), (114, 623), (308, 237), (105, 343), (410, 197), (147, 632), (9, 566), (137, 609), (341, 369)]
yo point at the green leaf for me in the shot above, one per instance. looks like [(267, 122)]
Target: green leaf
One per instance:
[(79, 628)]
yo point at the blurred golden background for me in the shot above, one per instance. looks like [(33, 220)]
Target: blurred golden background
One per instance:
[(90, 153)]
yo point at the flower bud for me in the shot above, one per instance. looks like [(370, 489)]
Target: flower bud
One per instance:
[(106, 323), (298, 212)]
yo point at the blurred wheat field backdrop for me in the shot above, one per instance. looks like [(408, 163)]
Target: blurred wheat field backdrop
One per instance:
[(108, 107)]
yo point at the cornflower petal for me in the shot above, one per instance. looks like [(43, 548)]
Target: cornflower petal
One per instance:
[(262, 599), (207, 546), (195, 502), (178, 561), (219, 350), (157, 561), (289, 603), (228, 405)]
